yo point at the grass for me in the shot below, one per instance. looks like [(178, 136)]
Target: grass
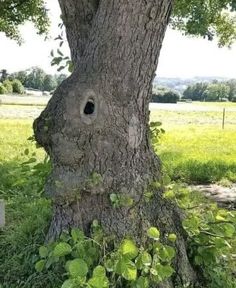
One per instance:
[(218, 104), (27, 212), (195, 148)]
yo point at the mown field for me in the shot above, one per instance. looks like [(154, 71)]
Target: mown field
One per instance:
[(194, 149)]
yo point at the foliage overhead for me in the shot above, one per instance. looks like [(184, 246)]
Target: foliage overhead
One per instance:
[(13, 13), (204, 18)]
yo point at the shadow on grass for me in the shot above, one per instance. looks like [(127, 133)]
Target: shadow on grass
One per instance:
[(199, 172)]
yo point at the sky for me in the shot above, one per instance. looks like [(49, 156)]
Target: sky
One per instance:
[(181, 56)]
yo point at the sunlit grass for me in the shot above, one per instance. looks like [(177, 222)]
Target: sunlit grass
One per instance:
[(217, 104), (195, 148)]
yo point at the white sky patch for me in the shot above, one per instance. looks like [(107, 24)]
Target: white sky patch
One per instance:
[(181, 56)]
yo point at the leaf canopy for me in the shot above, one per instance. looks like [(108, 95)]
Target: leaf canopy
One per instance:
[(204, 18), (14, 13)]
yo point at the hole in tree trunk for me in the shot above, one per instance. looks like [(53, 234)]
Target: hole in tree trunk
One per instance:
[(89, 107)]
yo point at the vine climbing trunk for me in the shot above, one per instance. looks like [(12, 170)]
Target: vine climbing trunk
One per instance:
[(95, 127)]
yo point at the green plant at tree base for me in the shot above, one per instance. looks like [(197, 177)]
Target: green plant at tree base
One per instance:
[(88, 262), (155, 132), (211, 235)]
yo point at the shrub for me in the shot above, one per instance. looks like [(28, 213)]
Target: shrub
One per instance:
[(8, 85), (17, 87), (233, 99), (86, 262), (3, 89), (165, 96)]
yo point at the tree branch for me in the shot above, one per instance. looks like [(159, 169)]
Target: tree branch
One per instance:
[(78, 16)]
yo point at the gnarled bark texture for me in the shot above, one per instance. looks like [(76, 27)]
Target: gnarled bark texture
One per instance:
[(95, 127)]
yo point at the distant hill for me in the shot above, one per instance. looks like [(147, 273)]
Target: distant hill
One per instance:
[(180, 84)]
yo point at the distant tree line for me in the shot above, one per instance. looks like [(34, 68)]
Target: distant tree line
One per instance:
[(215, 91), (165, 95), (34, 78)]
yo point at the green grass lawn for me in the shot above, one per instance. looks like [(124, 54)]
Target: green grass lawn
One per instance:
[(195, 148), (27, 212)]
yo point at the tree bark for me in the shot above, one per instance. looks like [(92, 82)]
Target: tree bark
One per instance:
[(95, 127)]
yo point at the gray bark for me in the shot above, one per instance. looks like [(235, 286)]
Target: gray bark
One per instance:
[(97, 123)]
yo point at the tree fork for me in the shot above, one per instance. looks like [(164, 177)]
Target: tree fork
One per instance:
[(95, 126)]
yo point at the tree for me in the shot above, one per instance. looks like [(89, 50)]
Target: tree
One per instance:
[(21, 76), (95, 127), (196, 91), (14, 13), (217, 92), (49, 83), (232, 89), (8, 85), (17, 87), (35, 78), (4, 75), (3, 89), (60, 78), (165, 96)]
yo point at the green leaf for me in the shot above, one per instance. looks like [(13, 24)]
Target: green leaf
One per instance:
[(77, 234), (142, 282), (99, 279), (229, 229), (43, 251), (59, 52), (68, 284), (191, 225), (77, 268), (127, 269), (164, 271), (172, 237), (128, 249), (61, 68), (166, 253), (153, 233), (113, 197), (99, 271), (146, 259), (39, 266), (62, 249)]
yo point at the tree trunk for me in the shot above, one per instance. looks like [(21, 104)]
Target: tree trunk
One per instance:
[(95, 127)]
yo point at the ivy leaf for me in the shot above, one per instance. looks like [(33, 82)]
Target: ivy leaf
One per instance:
[(99, 279), (127, 269), (172, 237), (129, 249), (153, 233), (191, 225), (68, 284), (77, 234), (43, 251), (39, 266), (165, 253), (229, 229), (77, 268), (164, 271), (142, 282), (146, 259), (62, 249)]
